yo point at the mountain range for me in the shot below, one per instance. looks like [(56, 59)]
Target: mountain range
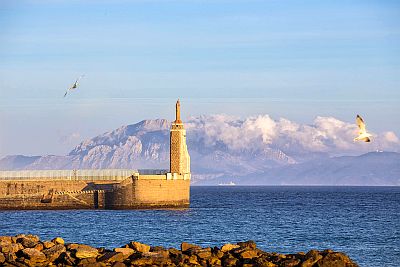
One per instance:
[(249, 155)]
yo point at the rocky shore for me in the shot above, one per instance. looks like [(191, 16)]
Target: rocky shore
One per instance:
[(29, 250)]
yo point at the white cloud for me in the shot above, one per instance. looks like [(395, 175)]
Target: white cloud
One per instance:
[(325, 134)]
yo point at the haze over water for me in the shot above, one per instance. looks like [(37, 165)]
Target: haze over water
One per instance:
[(361, 221)]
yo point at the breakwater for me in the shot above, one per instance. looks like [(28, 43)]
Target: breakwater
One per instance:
[(28, 250)]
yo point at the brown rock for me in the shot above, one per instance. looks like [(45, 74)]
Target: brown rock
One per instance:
[(89, 262), (58, 240), (2, 258), (39, 246), (85, 251), (335, 259), (10, 257), (142, 262), (204, 253), (118, 264), (47, 244), (111, 256), (33, 255), (27, 242), (248, 254), (248, 244), (311, 258), (231, 261), (193, 260), (177, 256), (6, 239), (185, 246), (264, 263), (203, 263), (139, 247), (157, 254), (54, 252), (213, 261), (174, 251), (156, 248), (290, 263), (72, 246), (127, 252), (68, 259), (219, 254), (6, 247), (228, 247)]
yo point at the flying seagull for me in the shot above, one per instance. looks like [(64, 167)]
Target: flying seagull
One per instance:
[(74, 86), (362, 133)]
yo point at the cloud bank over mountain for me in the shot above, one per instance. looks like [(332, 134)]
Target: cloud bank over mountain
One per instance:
[(222, 147), (325, 135)]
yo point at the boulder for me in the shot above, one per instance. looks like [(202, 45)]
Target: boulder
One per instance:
[(33, 255), (248, 244), (193, 260), (6, 239), (159, 258), (68, 259), (118, 264), (139, 247), (264, 262), (6, 247), (214, 261), (174, 251), (127, 252), (311, 258), (335, 259), (54, 252), (142, 262), (85, 251), (185, 246), (290, 263), (89, 262), (58, 240), (230, 261), (27, 242), (228, 247), (204, 253), (2, 258), (39, 246), (47, 244), (111, 256), (248, 254)]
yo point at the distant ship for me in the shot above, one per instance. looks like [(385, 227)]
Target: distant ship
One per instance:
[(227, 184)]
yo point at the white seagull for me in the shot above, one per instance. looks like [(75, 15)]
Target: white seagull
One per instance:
[(362, 133), (74, 86)]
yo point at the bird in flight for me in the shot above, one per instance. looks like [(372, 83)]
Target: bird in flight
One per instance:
[(74, 86), (363, 135)]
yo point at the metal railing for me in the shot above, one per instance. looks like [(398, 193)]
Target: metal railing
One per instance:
[(152, 171), (104, 174)]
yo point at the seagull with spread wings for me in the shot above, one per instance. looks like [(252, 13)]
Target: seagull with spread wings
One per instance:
[(363, 135), (74, 86)]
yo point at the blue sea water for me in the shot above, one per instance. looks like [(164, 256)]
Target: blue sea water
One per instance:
[(363, 222)]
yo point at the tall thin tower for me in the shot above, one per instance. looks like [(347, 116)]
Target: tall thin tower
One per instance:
[(179, 155)]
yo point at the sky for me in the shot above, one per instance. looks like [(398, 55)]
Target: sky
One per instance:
[(288, 59)]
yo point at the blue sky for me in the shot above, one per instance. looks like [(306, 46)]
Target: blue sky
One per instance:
[(293, 59)]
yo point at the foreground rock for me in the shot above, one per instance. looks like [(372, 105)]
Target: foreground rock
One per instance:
[(29, 250)]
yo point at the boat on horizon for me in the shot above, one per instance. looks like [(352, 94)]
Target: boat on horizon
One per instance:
[(227, 184)]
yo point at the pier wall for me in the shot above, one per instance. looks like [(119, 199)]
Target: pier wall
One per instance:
[(144, 191)]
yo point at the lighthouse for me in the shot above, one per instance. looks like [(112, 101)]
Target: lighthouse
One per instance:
[(179, 155)]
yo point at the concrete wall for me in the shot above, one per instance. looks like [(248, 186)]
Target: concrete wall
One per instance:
[(149, 191), (144, 191)]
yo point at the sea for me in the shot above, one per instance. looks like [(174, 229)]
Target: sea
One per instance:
[(363, 222)]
